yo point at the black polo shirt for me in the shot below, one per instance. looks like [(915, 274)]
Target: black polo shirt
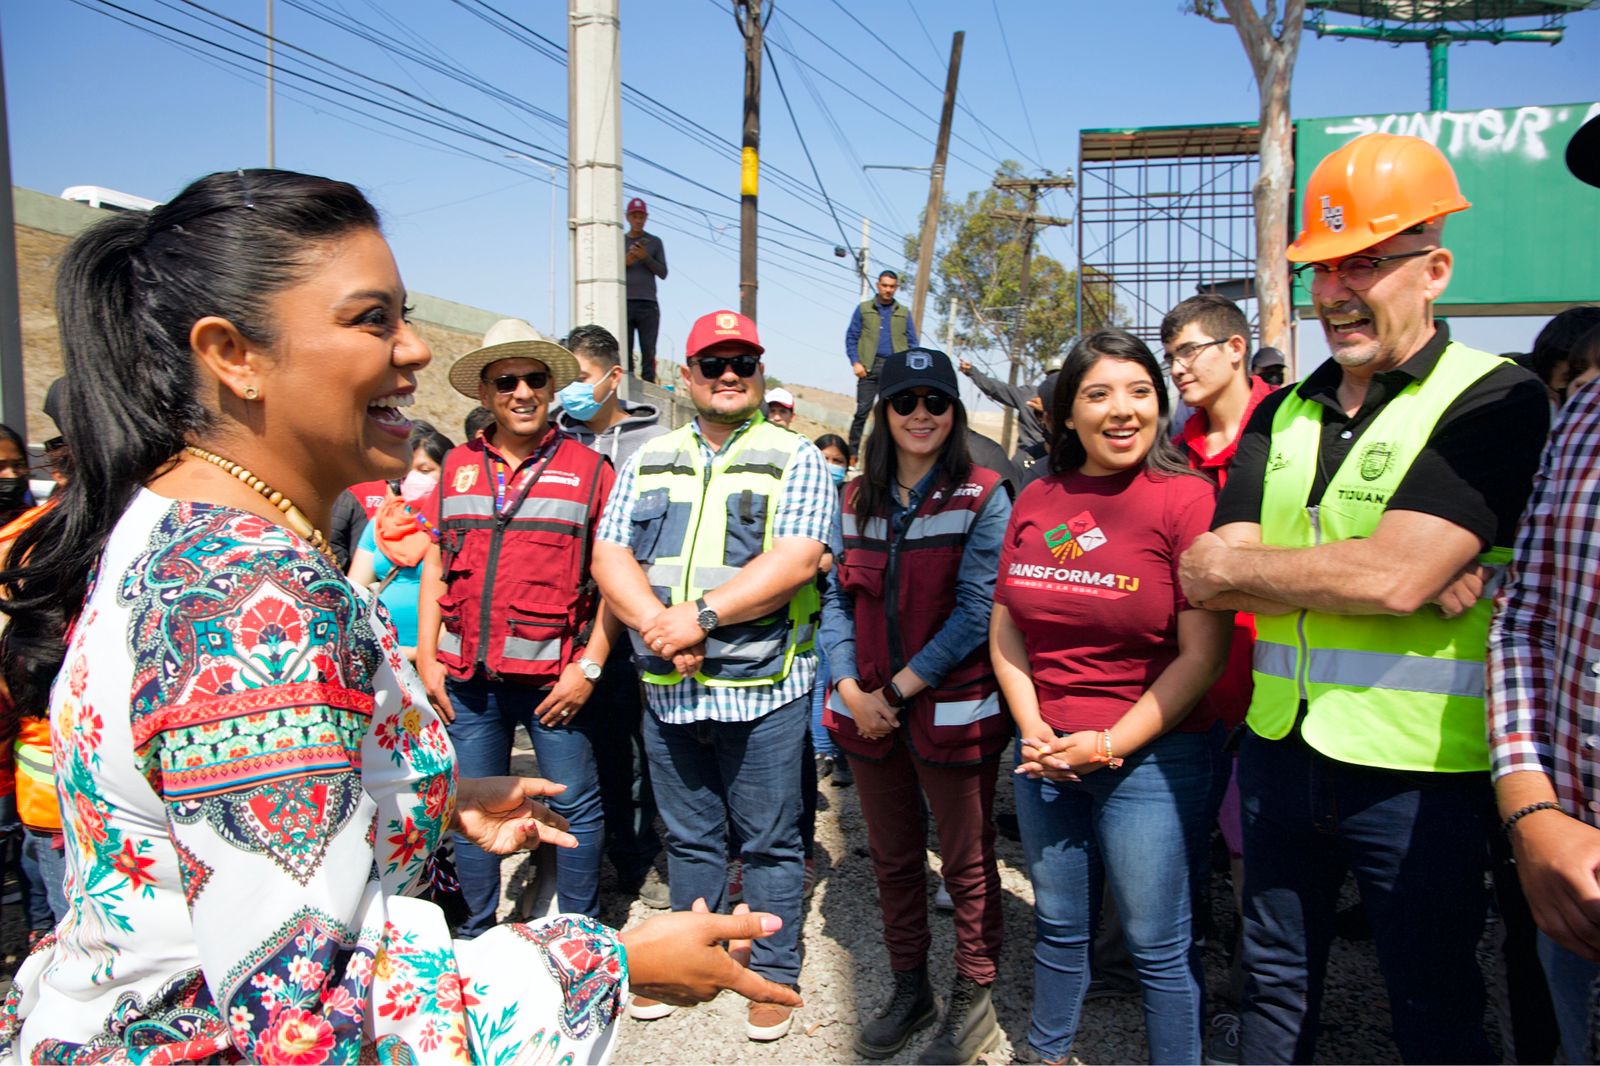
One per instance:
[(1476, 470)]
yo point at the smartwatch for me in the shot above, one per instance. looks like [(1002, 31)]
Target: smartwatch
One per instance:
[(707, 618), (591, 669), (893, 696)]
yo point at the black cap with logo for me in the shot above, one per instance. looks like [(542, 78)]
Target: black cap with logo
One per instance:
[(917, 368)]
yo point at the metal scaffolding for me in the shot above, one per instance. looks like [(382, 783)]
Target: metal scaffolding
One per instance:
[(1163, 213)]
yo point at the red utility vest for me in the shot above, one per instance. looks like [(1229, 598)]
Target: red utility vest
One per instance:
[(519, 600), (904, 591), (370, 494)]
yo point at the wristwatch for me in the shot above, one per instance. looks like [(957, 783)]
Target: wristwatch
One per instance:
[(590, 668), (707, 618), (893, 696)]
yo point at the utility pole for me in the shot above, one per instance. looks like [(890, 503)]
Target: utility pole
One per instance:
[(1029, 220), (930, 218), (594, 162), (750, 155)]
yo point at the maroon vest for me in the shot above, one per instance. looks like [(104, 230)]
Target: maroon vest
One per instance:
[(904, 591), (519, 599)]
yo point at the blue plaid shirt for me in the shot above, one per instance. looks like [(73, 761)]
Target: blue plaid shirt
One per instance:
[(806, 504)]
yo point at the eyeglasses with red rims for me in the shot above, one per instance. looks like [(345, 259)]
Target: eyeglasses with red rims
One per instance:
[(506, 384), (935, 403), (1358, 272), (712, 367)]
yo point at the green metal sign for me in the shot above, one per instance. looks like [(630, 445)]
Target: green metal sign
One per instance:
[(1528, 244)]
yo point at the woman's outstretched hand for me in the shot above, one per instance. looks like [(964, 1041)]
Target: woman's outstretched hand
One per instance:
[(501, 814), (679, 958)]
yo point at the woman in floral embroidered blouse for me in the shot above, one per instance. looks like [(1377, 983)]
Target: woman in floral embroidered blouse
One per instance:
[(251, 777)]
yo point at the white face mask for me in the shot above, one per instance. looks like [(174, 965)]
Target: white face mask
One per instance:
[(416, 486)]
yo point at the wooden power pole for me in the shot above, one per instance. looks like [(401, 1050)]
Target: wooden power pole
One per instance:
[(748, 15), (930, 218), (1029, 220)]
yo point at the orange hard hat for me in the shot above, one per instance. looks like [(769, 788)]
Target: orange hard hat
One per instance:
[(1369, 190)]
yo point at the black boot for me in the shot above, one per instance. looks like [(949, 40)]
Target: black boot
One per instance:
[(968, 1028), (909, 1009)]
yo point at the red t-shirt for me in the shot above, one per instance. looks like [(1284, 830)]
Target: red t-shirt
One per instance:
[(1089, 572)]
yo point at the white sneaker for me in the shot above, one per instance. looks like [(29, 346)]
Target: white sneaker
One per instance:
[(644, 1009)]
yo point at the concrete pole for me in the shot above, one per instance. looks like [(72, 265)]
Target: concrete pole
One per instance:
[(594, 161), (930, 218), (13, 401)]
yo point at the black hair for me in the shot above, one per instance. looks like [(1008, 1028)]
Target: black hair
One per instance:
[(430, 440), (1553, 346), (888, 274), (1066, 449), (880, 466), (128, 292), (477, 419), (833, 440), (595, 343), (1217, 315)]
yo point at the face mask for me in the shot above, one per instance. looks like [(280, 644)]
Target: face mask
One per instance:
[(837, 472), (579, 400), (12, 490), (417, 485)]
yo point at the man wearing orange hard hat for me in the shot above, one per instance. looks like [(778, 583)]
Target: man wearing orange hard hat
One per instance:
[(1369, 510)]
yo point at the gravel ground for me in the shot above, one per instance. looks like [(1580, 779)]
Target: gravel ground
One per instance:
[(846, 969)]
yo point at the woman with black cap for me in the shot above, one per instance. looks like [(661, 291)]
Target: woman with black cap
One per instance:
[(915, 705)]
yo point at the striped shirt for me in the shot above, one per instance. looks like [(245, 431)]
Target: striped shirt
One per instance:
[(1544, 644), (805, 507)]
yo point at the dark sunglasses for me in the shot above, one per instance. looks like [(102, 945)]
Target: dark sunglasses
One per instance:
[(712, 367), (936, 403), (55, 444), (505, 384)]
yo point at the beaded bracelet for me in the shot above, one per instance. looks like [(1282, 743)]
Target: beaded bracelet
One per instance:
[(1547, 805), (1104, 755)]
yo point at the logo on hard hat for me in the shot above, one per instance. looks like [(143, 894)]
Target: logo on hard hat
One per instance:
[(1332, 217), (919, 360), (727, 321)]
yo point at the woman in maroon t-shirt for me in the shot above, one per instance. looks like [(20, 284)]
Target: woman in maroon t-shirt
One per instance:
[(1102, 663)]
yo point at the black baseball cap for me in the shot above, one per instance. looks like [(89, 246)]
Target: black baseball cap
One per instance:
[(1047, 388), (917, 367), (1583, 152), (1267, 357)]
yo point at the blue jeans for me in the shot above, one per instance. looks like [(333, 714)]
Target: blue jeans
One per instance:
[(1138, 828), (44, 874), (707, 772), (1572, 990), (1416, 843), (821, 740), (487, 715)]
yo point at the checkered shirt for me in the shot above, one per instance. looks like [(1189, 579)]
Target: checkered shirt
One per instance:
[(1544, 644), (806, 504)]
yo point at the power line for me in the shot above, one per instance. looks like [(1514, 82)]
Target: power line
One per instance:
[(843, 237), (1021, 97)]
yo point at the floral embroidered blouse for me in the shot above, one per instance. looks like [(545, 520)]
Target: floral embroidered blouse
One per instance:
[(252, 780)]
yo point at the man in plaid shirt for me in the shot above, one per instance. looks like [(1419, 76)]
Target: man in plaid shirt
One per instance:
[(1544, 698)]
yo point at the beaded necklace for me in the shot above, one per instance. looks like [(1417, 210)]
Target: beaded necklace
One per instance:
[(293, 517)]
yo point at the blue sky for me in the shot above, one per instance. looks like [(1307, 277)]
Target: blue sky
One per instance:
[(92, 101)]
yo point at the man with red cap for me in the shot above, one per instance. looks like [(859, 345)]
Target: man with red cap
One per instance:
[(708, 552), (646, 261), (1365, 515)]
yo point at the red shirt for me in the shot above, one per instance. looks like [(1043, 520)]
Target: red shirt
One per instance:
[(1088, 570), (1193, 436)]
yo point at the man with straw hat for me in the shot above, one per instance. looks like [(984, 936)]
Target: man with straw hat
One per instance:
[(510, 628)]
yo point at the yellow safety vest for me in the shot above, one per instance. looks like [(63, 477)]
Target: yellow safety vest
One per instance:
[(695, 526), (1398, 693)]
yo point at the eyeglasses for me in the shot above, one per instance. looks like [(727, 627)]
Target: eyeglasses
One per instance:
[(1358, 272), (55, 444), (506, 384), (712, 367), (1189, 353), (935, 403)]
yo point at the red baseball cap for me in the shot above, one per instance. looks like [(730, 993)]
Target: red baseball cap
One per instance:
[(636, 204), (723, 327)]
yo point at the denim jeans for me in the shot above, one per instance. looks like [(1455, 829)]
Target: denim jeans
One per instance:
[(1416, 845), (1138, 827), (1573, 990), (705, 773), (612, 721), (821, 740), (44, 875), (487, 715)]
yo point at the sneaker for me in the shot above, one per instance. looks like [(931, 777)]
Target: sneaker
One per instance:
[(968, 1028), (645, 1009), (941, 898), (768, 1021), (735, 880), (808, 880), (843, 777), (1222, 1045), (652, 891), (825, 766), (910, 1008), (1110, 988)]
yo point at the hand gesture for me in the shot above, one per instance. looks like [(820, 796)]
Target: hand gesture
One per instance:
[(859, 370), (679, 958), (673, 630), (966, 366), (1197, 569), (500, 816)]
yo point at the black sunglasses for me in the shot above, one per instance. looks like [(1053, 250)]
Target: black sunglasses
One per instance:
[(937, 403), (505, 384), (712, 367)]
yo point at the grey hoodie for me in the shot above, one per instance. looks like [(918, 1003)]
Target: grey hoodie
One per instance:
[(623, 439)]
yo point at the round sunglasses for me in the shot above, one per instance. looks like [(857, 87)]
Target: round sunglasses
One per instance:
[(936, 403)]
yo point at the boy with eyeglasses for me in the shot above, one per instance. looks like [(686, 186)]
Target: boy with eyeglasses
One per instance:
[(708, 553)]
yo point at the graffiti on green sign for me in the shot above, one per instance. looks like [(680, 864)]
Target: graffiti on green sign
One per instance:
[(1491, 130)]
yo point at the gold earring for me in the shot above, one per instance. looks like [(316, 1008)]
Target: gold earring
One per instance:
[(251, 393)]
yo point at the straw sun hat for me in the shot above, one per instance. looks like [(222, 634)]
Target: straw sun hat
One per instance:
[(512, 338)]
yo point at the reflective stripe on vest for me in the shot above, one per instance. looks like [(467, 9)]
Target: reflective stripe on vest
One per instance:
[(694, 528), (38, 806), (1400, 693)]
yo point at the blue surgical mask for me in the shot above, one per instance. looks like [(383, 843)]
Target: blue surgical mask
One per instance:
[(579, 401), (837, 472)]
